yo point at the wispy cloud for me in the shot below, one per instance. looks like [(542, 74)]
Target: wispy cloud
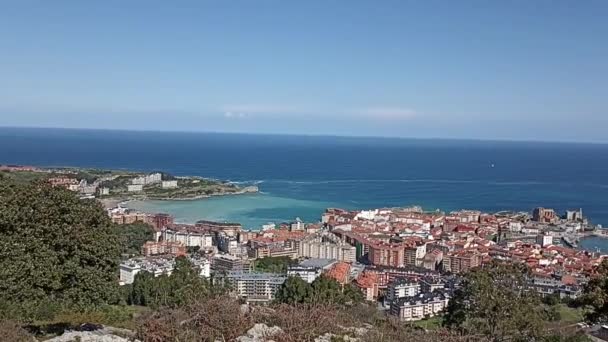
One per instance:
[(280, 111), (386, 113)]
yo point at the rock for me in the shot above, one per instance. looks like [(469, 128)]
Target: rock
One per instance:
[(88, 336), (260, 333), (245, 309), (96, 333), (328, 338)]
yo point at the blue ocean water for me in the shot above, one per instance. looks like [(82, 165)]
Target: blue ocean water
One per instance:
[(302, 175)]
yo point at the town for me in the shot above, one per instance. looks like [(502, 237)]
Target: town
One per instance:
[(405, 259)]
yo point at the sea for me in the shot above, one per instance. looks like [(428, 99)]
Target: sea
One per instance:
[(300, 176)]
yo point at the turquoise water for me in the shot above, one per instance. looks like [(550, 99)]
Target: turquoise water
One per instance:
[(593, 243), (251, 210), (302, 175)]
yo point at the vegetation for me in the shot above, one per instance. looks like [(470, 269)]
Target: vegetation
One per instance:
[(58, 265), (595, 297), (274, 264), (323, 291), (55, 251), (183, 286), (133, 236), (224, 319)]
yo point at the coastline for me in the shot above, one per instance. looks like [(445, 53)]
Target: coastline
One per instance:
[(111, 202)]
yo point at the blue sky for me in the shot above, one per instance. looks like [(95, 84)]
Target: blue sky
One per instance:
[(533, 70)]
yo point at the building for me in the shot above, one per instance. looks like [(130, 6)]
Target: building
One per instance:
[(308, 274), (102, 191), (135, 188), (203, 265), (65, 182), (433, 260), (401, 288), (415, 253), (227, 263), (461, 261), (544, 240), (323, 264), (384, 254), (228, 228), (340, 272), (163, 247), (421, 306), (367, 282), (148, 179), (128, 217), (172, 184), (297, 225), (317, 249), (255, 287), (188, 237), (160, 221), (156, 266), (574, 215), (544, 215)]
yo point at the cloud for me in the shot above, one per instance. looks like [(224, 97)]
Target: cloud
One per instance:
[(261, 109), (386, 113), (233, 115), (281, 111)]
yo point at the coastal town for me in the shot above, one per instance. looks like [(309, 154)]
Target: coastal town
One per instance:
[(115, 186), (406, 260)]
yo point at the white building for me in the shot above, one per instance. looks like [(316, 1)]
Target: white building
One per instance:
[(148, 179), (204, 267), (419, 307), (367, 215), (401, 288), (255, 287), (172, 184), (297, 225), (308, 274), (135, 188), (188, 238), (318, 249), (156, 266), (544, 240)]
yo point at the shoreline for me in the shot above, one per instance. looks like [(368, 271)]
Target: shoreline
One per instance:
[(114, 202)]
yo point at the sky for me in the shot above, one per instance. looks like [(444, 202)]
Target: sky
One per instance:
[(515, 70)]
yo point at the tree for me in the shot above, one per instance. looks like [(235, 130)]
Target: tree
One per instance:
[(326, 290), (274, 264), (55, 247), (133, 236), (495, 301), (294, 291), (184, 285), (595, 295)]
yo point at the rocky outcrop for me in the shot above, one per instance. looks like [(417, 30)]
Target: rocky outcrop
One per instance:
[(105, 334), (260, 333)]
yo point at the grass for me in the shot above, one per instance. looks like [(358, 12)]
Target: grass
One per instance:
[(432, 323), (570, 315)]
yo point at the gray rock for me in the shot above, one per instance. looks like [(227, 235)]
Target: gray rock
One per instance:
[(328, 337), (88, 336), (260, 333)]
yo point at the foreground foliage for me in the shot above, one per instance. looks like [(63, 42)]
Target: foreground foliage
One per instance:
[(495, 301), (595, 296), (323, 290), (183, 286), (55, 250), (133, 236)]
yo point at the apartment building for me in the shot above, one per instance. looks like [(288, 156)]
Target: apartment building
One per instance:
[(255, 287)]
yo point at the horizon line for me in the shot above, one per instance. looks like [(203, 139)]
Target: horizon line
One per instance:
[(390, 137)]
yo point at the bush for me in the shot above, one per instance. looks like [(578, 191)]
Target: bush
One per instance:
[(11, 331)]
